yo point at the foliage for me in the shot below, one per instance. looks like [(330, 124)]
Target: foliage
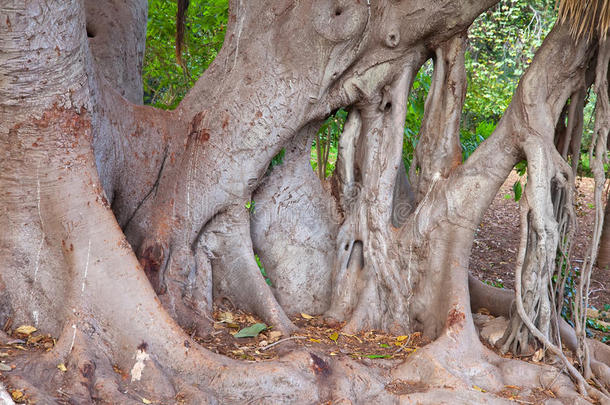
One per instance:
[(251, 206), (277, 159), (569, 292), (165, 83), (324, 149), (415, 112), (262, 269), (498, 283), (502, 43)]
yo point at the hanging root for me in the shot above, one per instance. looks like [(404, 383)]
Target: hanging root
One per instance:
[(545, 224), (236, 273), (597, 159), (367, 280), (543, 220)]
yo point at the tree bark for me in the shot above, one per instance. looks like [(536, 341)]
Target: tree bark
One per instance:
[(171, 187)]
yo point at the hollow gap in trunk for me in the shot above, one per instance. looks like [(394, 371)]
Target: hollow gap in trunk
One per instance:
[(91, 30), (325, 144), (415, 112), (494, 251)]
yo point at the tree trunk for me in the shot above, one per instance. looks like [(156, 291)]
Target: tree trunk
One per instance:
[(114, 261), (603, 258)]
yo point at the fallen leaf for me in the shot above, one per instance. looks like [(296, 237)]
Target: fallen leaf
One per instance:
[(401, 338), (314, 340), (62, 367), (352, 336), (17, 395), (275, 335), (146, 401), (378, 356), (251, 331), (538, 356), (384, 345), (478, 388), (35, 339), (25, 330), (305, 316), (226, 317), (5, 367), (334, 336), (333, 353), (262, 343)]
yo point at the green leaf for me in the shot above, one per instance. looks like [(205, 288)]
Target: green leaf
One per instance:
[(384, 345), (378, 356), (251, 331), (518, 190)]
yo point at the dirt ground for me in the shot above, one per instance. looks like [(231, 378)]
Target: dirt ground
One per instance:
[(497, 240)]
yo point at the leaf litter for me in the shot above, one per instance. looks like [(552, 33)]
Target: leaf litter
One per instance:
[(23, 340), (240, 335)]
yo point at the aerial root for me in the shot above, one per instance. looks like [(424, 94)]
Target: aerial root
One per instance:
[(222, 262), (499, 302), (236, 273)]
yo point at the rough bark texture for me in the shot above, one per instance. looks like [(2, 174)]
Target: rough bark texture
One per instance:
[(294, 226), (124, 222)]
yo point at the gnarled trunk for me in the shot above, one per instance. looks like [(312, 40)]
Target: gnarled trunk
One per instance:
[(113, 260)]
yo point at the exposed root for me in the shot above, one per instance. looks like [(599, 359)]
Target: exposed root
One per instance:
[(499, 302), (293, 229), (236, 273), (183, 281), (476, 375), (540, 239)]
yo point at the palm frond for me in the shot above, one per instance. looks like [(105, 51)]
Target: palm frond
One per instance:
[(585, 17)]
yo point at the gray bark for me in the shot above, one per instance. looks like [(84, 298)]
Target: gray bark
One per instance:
[(177, 183), (293, 228)]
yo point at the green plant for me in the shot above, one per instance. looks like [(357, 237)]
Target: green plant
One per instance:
[(501, 44), (415, 112), (498, 283), (262, 269), (324, 149), (165, 82), (517, 190), (569, 295)]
